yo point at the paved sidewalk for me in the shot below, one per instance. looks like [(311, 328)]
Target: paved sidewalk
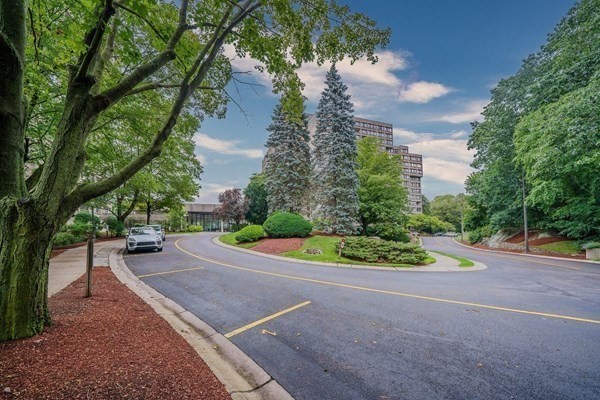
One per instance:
[(70, 265)]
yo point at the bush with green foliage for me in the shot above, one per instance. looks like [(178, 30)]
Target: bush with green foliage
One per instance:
[(251, 233), (115, 226), (382, 251), (86, 218), (285, 225), (238, 227), (388, 231), (591, 245), (64, 239), (477, 235), (194, 228)]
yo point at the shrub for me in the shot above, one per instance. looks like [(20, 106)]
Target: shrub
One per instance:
[(389, 231), (251, 233), (382, 251), (80, 229), (285, 225), (64, 239), (238, 227), (194, 228), (591, 245), (87, 218), (477, 235), (115, 226)]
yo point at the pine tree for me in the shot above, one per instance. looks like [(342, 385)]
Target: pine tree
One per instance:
[(335, 180), (287, 164)]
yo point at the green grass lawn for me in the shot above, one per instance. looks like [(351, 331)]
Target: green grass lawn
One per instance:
[(330, 255), (463, 262), (565, 247), (230, 240)]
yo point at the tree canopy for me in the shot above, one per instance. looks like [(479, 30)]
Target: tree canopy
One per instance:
[(531, 131), (382, 197), (67, 68)]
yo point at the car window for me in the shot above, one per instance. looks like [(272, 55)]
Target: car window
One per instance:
[(141, 232)]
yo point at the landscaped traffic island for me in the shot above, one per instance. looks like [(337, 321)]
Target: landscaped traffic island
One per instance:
[(325, 248)]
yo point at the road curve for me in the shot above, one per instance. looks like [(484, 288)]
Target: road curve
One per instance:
[(523, 328)]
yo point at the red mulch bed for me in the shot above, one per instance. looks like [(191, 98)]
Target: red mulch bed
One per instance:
[(56, 252), (520, 238), (278, 246), (110, 346)]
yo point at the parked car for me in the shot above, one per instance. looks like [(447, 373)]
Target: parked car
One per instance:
[(143, 239), (159, 231)]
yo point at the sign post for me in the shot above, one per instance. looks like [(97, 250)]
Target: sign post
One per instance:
[(342, 244), (89, 264)]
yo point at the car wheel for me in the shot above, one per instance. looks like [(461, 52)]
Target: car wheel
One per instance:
[(159, 249)]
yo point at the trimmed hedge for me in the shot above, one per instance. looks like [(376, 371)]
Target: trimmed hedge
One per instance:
[(194, 228), (285, 225), (382, 251), (251, 233)]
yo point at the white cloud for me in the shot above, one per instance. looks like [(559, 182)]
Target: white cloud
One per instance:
[(449, 171), (202, 159), (228, 147), (471, 112), (445, 149), (423, 92), (209, 192), (370, 85), (445, 156)]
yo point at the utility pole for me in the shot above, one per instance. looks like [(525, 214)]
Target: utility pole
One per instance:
[(525, 228)]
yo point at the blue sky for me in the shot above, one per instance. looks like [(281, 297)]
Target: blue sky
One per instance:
[(433, 78)]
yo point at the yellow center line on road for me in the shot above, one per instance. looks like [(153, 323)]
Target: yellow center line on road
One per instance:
[(265, 319), (170, 272), (401, 294)]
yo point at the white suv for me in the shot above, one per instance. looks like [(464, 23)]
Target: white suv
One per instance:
[(143, 239)]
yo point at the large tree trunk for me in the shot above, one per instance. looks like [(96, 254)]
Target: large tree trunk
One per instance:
[(25, 246)]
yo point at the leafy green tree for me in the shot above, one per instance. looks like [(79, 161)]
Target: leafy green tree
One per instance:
[(559, 147), (382, 197), (256, 193), (176, 218), (450, 208), (426, 205), (81, 60), (335, 180), (566, 63), (287, 163), (427, 224)]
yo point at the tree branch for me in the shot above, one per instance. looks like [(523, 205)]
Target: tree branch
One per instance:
[(203, 62), (34, 177), (93, 40), (152, 86), (117, 92)]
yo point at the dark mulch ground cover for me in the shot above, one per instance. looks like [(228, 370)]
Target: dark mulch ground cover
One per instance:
[(278, 246), (110, 346)]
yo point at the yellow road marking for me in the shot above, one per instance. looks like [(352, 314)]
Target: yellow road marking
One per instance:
[(495, 254), (367, 289), (169, 272), (265, 319)]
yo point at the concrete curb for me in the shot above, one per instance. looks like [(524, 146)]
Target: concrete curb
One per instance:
[(528, 255), (242, 377), (477, 267)]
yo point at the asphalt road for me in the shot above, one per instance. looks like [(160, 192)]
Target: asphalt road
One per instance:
[(525, 328)]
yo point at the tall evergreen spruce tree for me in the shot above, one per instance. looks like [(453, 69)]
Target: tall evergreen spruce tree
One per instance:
[(287, 168), (335, 180)]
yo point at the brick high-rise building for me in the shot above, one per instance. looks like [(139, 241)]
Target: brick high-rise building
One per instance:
[(412, 164)]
